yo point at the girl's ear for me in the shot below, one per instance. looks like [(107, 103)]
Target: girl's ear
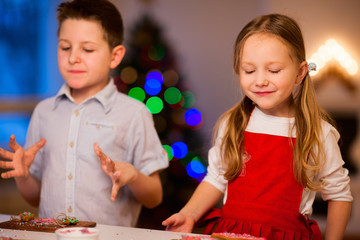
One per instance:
[(303, 70), (117, 55)]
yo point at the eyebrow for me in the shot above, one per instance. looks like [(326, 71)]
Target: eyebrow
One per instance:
[(268, 63), (84, 42)]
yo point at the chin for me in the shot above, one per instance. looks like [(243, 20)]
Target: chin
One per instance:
[(75, 84)]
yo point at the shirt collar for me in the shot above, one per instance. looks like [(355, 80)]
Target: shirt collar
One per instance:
[(105, 96)]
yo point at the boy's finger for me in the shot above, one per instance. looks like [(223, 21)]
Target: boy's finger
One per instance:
[(99, 152), (37, 146), (110, 165), (8, 174), (6, 154), (114, 191), (6, 165), (13, 144)]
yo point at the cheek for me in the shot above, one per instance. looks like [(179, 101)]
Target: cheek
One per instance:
[(244, 81), (62, 58)]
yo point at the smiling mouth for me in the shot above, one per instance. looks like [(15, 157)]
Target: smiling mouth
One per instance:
[(263, 93)]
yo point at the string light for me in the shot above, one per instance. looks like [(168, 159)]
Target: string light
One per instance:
[(332, 50)]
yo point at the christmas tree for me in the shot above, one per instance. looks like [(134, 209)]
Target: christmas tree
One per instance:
[(151, 74)]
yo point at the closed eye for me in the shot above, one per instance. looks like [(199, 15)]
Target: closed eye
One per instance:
[(88, 50), (274, 71)]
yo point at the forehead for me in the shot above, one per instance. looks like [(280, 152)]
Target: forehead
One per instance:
[(81, 29), (265, 46)]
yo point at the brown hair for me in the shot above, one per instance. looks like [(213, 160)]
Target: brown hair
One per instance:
[(101, 11), (308, 114)]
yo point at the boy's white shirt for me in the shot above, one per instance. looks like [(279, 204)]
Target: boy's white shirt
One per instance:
[(67, 166)]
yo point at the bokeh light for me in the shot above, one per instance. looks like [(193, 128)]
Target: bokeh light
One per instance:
[(168, 150), (154, 104), (171, 78), (152, 87), (137, 93), (179, 149), (155, 75), (178, 105), (172, 95), (129, 75), (193, 117), (195, 168), (189, 99), (156, 52), (332, 50)]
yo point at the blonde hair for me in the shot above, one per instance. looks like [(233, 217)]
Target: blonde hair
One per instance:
[(308, 114)]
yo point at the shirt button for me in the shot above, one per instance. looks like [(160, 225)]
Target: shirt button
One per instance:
[(71, 144), (70, 176), (69, 209), (77, 112)]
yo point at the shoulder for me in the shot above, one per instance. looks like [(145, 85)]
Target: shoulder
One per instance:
[(329, 130), (128, 104), (45, 105), (133, 109)]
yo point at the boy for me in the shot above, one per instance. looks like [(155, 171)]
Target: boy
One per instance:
[(70, 173)]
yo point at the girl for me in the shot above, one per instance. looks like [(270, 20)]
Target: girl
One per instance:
[(274, 149)]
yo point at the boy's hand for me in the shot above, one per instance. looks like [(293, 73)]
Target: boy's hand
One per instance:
[(20, 160), (120, 173), (179, 222)]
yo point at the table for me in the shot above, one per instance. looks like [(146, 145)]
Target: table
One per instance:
[(107, 232)]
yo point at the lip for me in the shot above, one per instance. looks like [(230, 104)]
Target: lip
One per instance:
[(263, 93), (76, 71)]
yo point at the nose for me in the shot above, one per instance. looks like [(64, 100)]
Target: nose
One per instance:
[(261, 79), (74, 56)]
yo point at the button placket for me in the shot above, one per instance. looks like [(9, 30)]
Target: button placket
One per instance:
[(71, 160)]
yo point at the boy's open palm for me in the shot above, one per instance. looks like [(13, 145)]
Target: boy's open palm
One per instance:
[(121, 173), (20, 159)]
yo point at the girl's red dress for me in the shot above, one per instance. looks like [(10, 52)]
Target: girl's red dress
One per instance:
[(264, 200)]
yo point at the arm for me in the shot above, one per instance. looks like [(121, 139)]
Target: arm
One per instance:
[(19, 165), (146, 189), (204, 198), (336, 190), (337, 219), (29, 189)]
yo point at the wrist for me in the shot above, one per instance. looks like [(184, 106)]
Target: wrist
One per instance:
[(189, 214), (23, 176)]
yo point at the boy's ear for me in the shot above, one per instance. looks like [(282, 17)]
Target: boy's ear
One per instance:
[(303, 70), (117, 55)]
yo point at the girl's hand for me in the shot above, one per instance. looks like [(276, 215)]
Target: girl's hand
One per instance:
[(20, 160), (179, 222), (120, 173)]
